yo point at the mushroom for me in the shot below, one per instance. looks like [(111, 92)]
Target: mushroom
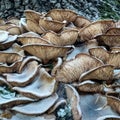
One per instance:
[(113, 31), (38, 107), (24, 78), (19, 116), (72, 69), (95, 28), (66, 37), (81, 22), (46, 52), (32, 15), (109, 40), (62, 14), (104, 72), (13, 100), (14, 30), (42, 86), (29, 34), (106, 56), (13, 57), (13, 20), (3, 36), (114, 101), (32, 40), (53, 25), (109, 117), (74, 99), (8, 42), (92, 87), (34, 27), (114, 49)]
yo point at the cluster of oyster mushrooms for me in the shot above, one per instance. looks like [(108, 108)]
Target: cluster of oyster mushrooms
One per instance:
[(44, 54)]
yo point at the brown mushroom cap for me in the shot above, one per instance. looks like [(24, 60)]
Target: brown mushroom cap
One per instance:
[(46, 52), (106, 56), (13, 20), (9, 57), (53, 25), (74, 100), (14, 30), (42, 86), (104, 72), (62, 14), (26, 77), (32, 15), (32, 40), (81, 22), (113, 31), (38, 107), (71, 70), (114, 101), (29, 34), (67, 37), (95, 28), (34, 27), (109, 40)]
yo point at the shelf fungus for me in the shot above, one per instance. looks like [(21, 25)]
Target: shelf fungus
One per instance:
[(113, 100), (106, 56), (71, 70), (74, 99), (32, 40), (62, 14), (48, 24), (38, 107), (81, 22), (113, 31), (95, 28), (109, 40), (101, 73), (42, 86), (25, 77), (66, 37), (46, 52)]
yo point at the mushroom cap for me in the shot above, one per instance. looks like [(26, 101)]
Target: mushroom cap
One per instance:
[(32, 15), (24, 78), (3, 35), (14, 30), (104, 72), (109, 40), (95, 28), (67, 37), (32, 40), (74, 99), (71, 70), (46, 52), (34, 27), (38, 107), (108, 117), (114, 101), (113, 31), (53, 25), (42, 86), (62, 14), (81, 22)]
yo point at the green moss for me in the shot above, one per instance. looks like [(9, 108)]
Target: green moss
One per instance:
[(109, 9)]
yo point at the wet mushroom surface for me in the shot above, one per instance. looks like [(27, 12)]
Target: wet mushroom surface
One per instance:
[(58, 65)]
